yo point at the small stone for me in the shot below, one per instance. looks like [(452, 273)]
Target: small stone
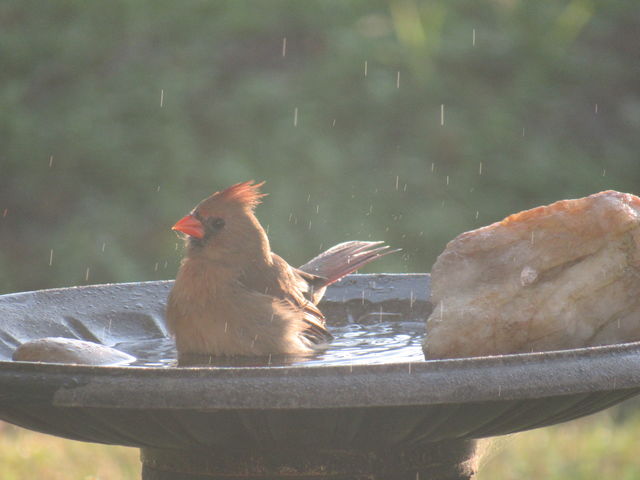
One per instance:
[(576, 285), (69, 350)]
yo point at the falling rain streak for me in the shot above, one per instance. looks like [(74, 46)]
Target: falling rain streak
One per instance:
[(161, 98), (86, 274), (295, 117), (365, 68), (398, 80), (51, 161), (480, 169), (473, 38), (51, 257), (596, 108), (397, 180), (284, 47), (442, 114)]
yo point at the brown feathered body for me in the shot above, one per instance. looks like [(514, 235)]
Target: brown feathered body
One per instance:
[(233, 296)]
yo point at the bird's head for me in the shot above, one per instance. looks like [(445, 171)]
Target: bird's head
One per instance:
[(223, 227)]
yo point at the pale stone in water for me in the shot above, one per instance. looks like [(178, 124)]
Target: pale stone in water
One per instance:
[(69, 350), (561, 276)]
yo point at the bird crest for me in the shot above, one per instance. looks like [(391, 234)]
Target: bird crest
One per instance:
[(246, 193)]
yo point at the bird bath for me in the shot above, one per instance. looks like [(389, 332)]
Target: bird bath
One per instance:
[(402, 418)]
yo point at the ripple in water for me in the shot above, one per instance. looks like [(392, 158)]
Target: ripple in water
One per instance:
[(353, 344)]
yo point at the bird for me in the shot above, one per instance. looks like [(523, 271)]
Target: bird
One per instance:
[(233, 296)]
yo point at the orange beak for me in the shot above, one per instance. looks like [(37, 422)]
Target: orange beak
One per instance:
[(189, 225)]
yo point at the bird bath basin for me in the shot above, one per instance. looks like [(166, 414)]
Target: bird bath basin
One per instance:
[(400, 418)]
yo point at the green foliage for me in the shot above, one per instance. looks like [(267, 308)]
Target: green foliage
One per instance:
[(81, 83)]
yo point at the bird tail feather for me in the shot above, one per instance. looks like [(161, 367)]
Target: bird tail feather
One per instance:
[(344, 258)]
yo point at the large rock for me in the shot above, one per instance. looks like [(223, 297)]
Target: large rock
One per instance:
[(560, 276)]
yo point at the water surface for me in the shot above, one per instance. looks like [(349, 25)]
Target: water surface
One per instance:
[(353, 344)]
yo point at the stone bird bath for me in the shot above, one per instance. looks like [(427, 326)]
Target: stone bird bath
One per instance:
[(374, 421)]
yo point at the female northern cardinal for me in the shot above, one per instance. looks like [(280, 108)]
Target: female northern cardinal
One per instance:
[(233, 296)]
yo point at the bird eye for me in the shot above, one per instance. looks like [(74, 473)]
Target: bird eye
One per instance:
[(216, 223)]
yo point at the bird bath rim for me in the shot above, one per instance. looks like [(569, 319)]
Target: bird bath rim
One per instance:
[(429, 382), (465, 380)]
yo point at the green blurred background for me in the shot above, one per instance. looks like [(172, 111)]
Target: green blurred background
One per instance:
[(117, 117)]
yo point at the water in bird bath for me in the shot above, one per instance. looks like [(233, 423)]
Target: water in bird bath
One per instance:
[(353, 344)]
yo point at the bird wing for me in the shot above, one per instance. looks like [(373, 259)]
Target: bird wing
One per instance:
[(286, 283)]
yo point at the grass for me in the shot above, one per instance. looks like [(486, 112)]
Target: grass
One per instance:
[(599, 446), (26, 454)]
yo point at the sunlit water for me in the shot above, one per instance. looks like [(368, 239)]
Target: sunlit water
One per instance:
[(353, 344)]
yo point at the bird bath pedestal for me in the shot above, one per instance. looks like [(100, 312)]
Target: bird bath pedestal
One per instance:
[(411, 421)]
